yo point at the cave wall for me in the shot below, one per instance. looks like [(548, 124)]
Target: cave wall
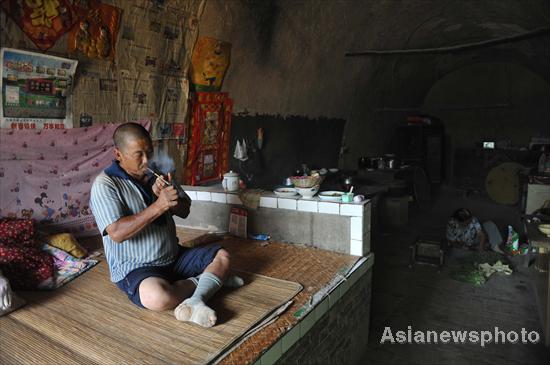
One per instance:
[(147, 78), (288, 58)]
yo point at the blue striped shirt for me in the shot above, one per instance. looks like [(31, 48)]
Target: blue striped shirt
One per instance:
[(115, 197)]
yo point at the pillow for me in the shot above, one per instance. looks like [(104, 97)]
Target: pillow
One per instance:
[(17, 233), (69, 244), (16, 303)]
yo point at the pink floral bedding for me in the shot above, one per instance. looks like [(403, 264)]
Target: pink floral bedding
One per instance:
[(47, 174)]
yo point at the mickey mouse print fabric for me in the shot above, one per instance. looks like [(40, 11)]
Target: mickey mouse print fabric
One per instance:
[(47, 175)]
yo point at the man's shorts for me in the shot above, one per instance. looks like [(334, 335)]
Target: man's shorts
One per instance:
[(190, 262)]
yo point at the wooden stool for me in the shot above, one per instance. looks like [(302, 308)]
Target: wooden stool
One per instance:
[(427, 252)]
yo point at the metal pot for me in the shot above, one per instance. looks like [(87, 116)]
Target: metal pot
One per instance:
[(376, 162), (391, 161), (368, 163)]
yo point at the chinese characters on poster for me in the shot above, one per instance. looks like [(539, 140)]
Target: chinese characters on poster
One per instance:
[(36, 90)]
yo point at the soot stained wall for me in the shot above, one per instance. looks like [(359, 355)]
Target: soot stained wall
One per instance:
[(288, 142), (288, 59)]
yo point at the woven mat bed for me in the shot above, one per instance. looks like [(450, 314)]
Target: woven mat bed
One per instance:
[(56, 327), (95, 321), (311, 267)]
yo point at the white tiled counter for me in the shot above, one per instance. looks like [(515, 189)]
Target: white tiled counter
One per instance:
[(340, 227)]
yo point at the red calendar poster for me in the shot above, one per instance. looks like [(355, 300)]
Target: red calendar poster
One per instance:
[(208, 147)]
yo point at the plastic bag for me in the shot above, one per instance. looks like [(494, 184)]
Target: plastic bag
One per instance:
[(512, 242)]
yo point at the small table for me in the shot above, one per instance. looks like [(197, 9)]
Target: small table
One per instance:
[(536, 237), (542, 289)]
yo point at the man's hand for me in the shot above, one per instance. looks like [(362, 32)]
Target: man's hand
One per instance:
[(158, 186), (127, 227), (167, 198), (180, 206)]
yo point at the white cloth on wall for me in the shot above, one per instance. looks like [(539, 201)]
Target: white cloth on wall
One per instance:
[(240, 151)]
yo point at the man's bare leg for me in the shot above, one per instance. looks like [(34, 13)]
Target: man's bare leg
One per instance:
[(194, 309), (158, 294)]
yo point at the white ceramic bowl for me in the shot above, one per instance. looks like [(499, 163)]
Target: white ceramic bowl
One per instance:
[(308, 192), (285, 192), (545, 228), (331, 196)]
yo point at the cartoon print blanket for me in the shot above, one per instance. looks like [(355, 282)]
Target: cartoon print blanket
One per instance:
[(66, 267), (47, 175)]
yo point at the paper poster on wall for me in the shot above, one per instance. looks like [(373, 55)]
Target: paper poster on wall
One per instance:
[(178, 130), (43, 21), (96, 33), (209, 63), (36, 90)]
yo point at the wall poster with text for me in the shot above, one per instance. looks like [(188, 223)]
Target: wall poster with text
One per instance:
[(36, 90)]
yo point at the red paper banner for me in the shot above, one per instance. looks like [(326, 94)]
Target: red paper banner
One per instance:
[(96, 32), (43, 21)]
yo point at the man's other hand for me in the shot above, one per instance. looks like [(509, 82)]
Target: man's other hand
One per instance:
[(167, 198), (158, 186)]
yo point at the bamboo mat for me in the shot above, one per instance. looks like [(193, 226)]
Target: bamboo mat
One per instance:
[(313, 268), (91, 321)]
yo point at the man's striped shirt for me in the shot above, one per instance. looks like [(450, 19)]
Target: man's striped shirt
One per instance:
[(115, 197)]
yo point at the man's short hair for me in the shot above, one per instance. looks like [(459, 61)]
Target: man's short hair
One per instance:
[(128, 131)]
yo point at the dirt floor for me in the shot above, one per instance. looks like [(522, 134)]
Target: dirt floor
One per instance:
[(427, 300)]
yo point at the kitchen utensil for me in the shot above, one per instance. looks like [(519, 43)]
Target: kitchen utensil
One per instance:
[(230, 181)]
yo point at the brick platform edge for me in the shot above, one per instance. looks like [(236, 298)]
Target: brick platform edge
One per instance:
[(335, 332)]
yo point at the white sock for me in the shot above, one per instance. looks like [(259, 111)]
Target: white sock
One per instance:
[(194, 309), (233, 281)]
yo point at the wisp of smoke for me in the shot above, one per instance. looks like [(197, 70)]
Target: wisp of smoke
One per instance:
[(163, 163)]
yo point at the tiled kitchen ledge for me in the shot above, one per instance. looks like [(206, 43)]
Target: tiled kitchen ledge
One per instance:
[(268, 199), (300, 329), (355, 216)]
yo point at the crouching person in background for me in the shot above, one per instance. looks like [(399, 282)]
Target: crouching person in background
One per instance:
[(465, 231)]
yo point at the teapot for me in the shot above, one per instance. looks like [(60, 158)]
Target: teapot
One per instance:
[(230, 181)]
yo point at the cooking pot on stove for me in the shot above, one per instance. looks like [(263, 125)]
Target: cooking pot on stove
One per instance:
[(369, 163), (391, 161)]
